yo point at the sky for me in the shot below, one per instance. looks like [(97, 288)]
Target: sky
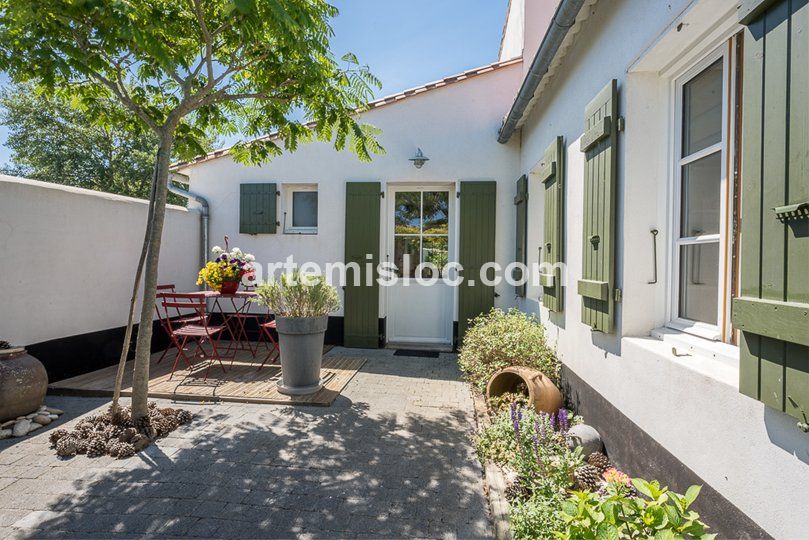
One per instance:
[(406, 43)]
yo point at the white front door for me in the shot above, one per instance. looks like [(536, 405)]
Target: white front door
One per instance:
[(419, 232)]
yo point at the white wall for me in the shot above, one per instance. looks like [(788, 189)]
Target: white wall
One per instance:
[(69, 257), (511, 41), (456, 127), (691, 404)]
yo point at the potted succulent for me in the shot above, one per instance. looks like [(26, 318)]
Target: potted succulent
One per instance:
[(301, 304), (224, 273)]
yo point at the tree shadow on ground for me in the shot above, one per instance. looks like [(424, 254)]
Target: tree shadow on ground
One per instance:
[(273, 472)]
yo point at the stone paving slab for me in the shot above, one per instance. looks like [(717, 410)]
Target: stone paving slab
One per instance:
[(390, 459)]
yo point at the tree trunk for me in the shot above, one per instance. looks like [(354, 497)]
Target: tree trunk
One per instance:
[(143, 349), (119, 375)]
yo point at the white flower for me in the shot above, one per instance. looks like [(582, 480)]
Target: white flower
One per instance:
[(249, 257), (216, 250)]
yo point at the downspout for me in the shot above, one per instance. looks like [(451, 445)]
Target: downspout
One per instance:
[(562, 21), (204, 212)]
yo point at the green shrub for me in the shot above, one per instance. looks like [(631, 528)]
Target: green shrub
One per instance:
[(500, 339), (298, 295), (537, 517), (660, 514)]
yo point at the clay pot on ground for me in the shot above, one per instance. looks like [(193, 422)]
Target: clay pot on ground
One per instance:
[(542, 393), (23, 383)]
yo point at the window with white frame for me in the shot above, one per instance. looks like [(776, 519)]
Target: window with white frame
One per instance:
[(300, 214), (700, 297)]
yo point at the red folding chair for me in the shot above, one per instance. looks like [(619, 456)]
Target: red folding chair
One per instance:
[(164, 314), (200, 332), (266, 332)]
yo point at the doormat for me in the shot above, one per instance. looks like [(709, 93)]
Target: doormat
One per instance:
[(416, 352)]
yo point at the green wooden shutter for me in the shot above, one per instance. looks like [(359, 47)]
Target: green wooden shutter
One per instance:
[(361, 318), (551, 173), (597, 286), (521, 203), (772, 311), (257, 208), (476, 247)]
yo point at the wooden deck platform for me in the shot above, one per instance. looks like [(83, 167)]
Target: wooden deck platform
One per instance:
[(243, 382)]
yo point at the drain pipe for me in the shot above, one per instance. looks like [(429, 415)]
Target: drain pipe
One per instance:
[(563, 20), (204, 212)]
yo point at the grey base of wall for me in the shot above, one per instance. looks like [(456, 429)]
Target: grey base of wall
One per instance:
[(638, 454)]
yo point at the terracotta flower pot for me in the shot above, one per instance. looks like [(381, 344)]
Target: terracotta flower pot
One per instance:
[(229, 287), (542, 393), (23, 383)]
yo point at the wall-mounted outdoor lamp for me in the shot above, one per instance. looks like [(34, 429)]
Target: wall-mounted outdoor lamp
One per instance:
[(419, 159)]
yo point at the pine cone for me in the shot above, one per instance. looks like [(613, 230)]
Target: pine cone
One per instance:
[(599, 461), (587, 478), (82, 443), (97, 447), (57, 434), (122, 450), (144, 426), (184, 417), (66, 446), (127, 435), (139, 442)]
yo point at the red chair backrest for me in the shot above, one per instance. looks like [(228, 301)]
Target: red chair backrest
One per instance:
[(187, 301)]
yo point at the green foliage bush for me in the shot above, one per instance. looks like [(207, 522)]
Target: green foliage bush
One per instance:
[(500, 339), (659, 514)]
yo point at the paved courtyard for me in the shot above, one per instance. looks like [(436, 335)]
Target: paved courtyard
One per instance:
[(390, 458)]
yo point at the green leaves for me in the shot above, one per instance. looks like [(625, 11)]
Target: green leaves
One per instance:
[(207, 65), (659, 514)]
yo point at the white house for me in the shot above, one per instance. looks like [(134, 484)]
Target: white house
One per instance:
[(658, 150)]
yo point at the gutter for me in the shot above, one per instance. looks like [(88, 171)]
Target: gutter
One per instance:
[(204, 212), (562, 21)]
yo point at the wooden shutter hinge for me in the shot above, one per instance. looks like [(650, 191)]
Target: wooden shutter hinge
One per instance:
[(621, 124), (277, 193), (382, 194), (618, 295)]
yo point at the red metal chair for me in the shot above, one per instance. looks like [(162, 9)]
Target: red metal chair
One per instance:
[(164, 315), (266, 332), (199, 333)]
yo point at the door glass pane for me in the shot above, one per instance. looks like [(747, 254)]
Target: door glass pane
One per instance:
[(407, 214), (304, 209), (699, 282), (702, 109), (435, 249), (436, 210), (700, 196), (406, 245)]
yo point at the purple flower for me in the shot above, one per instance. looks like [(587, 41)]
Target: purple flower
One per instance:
[(564, 421), (537, 433), (552, 421), (515, 420), (541, 422)]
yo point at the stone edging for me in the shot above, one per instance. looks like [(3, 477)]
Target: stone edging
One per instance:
[(493, 479)]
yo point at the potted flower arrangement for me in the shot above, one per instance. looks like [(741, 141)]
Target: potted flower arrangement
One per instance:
[(224, 273), (301, 304)]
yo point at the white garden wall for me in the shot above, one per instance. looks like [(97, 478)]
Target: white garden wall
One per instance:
[(754, 456), (69, 257)]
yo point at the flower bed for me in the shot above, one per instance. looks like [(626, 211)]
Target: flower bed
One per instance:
[(555, 487)]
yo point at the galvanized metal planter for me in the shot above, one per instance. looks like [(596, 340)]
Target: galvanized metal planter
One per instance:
[(301, 344)]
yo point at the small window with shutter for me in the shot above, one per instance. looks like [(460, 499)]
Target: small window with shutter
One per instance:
[(257, 208)]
